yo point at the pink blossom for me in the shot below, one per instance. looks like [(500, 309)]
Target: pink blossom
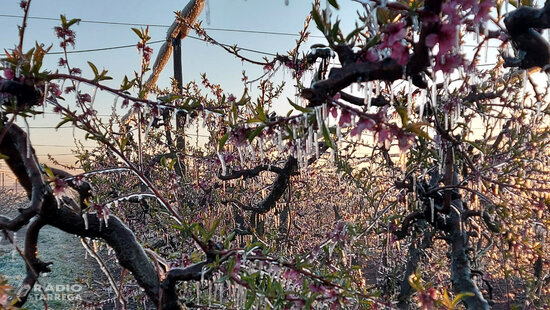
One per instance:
[(372, 55), (384, 137), (400, 53), (345, 118), (237, 266), (405, 141), (395, 32), (54, 89), (446, 38), (231, 98), (59, 186), (365, 123), (333, 111), (451, 9), (8, 73), (85, 98), (239, 136), (447, 63), (467, 4), (75, 71), (483, 11)]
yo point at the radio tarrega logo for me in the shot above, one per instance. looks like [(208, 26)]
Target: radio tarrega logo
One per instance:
[(50, 291)]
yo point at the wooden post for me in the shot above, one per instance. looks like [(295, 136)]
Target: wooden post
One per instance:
[(180, 115)]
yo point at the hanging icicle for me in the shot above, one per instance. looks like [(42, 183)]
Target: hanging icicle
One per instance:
[(28, 132), (94, 92), (85, 218), (368, 95), (434, 94), (45, 100), (148, 128), (241, 156), (409, 97), (523, 91)]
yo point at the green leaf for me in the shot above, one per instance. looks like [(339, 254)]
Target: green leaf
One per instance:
[(334, 4), (73, 21), (318, 21), (326, 135), (299, 108), (251, 296), (261, 113), (138, 32), (94, 69), (49, 171), (417, 129), (461, 296), (352, 34), (172, 164), (254, 133), (65, 120), (223, 140), (403, 113), (2, 156)]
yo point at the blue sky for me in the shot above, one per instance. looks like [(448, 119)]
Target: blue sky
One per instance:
[(198, 57)]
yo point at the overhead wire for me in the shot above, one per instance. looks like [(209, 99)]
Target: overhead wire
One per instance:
[(88, 21)]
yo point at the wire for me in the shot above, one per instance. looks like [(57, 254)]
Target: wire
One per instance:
[(99, 49), (58, 145), (87, 21)]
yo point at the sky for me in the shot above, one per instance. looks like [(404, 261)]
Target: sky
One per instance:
[(198, 57)]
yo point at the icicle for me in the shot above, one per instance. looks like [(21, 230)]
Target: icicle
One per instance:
[(77, 86), (241, 157), (309, 144), (506, 4), (209, 293), (94, 92), (14, 245), (538, 110), (523, 89), (148, 128), (299, 153), (368, 95), (316, 139), (391, 95), (486, 47), (318, 117), (28, 138), (197, 291), (106, 218), (45, 100), (85, 217), (252, 153), (432, 209), (434, 95), (115, 101), (280, 147), (409, 97), (377, 91), (261, 147)]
